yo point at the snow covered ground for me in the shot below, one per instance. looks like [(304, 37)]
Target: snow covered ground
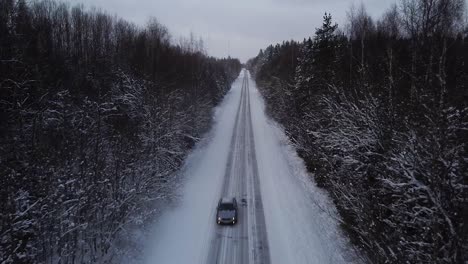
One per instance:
[(287, 219)]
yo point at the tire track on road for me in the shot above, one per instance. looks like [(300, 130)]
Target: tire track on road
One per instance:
[(260, 249)]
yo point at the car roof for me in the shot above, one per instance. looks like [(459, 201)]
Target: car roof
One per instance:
[(227, 199)]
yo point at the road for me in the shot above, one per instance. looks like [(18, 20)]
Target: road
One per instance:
[(284, 217), (246, 242)]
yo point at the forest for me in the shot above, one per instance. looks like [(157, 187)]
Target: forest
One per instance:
[(378, 111), (96, 115)]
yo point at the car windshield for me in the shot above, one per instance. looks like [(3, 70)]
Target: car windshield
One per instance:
[(226, 207)]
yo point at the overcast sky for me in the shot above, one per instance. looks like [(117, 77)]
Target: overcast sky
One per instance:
[(237, 27)]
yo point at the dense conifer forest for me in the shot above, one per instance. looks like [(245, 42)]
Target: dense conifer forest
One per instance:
[(378, 110), (96, 114)]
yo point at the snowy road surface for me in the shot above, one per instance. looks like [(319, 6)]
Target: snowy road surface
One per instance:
[(283, 217), (232, 244)]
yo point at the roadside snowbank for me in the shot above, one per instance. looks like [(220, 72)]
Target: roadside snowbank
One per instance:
[(300, 218)]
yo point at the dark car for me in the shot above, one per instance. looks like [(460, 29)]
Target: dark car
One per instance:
[(226, 212)]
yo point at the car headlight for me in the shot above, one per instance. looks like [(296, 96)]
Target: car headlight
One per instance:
[(219, 218), (233, 218)]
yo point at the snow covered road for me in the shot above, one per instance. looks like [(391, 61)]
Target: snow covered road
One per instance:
[(283, 217), (232, 244)]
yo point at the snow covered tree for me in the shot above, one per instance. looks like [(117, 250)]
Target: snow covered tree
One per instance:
[(94, 120), (379, 117)]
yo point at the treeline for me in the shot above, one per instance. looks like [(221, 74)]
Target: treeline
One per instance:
[(96, 114), (379, 113)]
